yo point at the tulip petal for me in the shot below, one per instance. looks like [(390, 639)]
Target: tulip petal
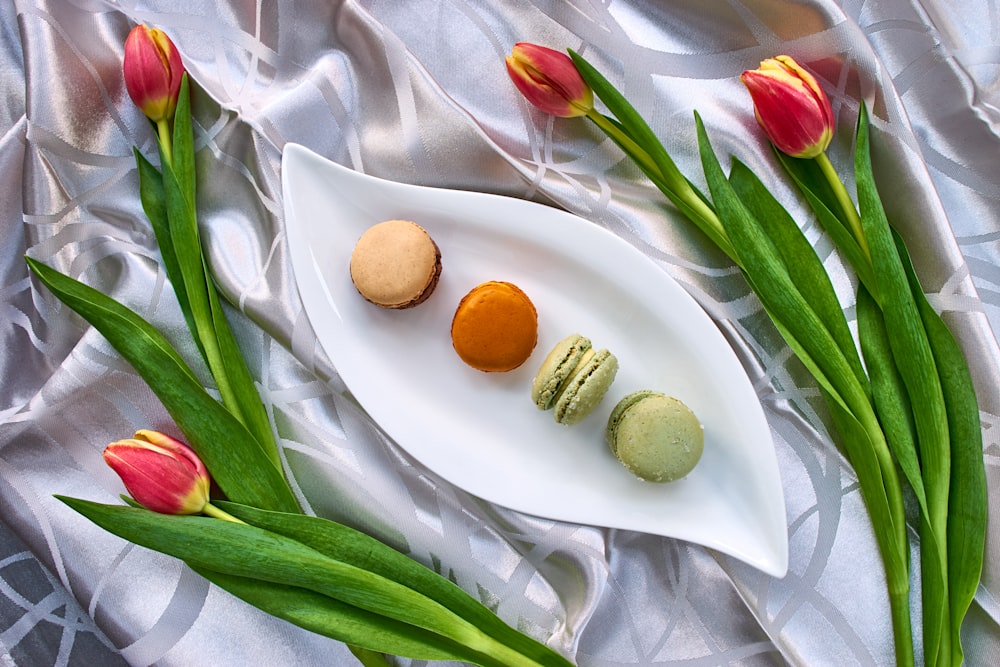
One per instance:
[(790, 106), (153, 68), (549, 80), (160, 473)]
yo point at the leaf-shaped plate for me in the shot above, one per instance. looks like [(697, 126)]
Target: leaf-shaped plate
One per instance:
[(481, 431)]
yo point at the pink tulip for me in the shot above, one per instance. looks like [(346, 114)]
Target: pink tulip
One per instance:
[(162, 474), (153, 70), (791, 107), (549, 80)]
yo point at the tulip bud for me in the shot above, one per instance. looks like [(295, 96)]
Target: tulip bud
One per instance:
[(791, 107), (160, 473), (549, 80), (153, 70)]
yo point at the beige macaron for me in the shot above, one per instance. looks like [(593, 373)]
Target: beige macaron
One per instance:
[(395, 264)]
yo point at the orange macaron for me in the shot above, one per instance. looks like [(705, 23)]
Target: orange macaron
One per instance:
[(495, 327)]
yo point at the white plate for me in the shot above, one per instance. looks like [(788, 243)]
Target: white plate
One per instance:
[(481, 431)]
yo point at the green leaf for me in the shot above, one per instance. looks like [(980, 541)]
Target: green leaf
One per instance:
[(885, 508), (891, 400), (155, 207), (852, 411), (634, 136), (773, 284), (331, 618), (369, 658), (242, 550), (182, 149), (628, 118), (967, 498), (235, 459), (245, 393), (918, 370), (356, 548), (799, 258), (211, 328), (809, 179)]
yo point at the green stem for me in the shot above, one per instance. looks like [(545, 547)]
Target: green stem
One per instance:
[(631, 147), (216, 513), (163, 132), (845, 201), (902, 631), (701, 213)]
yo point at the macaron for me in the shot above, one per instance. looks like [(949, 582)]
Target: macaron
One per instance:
[(656, 437), (495, 327), (573, 379), (395, 264)]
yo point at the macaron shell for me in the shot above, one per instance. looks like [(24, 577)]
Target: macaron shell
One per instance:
[(395, 264), (556, 368), (586, 388), (656, 437), (623, 405), (495, 327)]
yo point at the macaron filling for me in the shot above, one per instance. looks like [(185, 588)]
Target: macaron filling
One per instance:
[(559, 365), (590, 382)]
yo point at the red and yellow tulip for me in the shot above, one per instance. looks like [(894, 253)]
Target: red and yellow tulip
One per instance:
[(791, 107), (153, 70), (549, 80), (162, 474)]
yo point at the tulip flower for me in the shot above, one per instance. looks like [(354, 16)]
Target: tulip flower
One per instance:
[(791, 107), (549, 80), (162, 474), (797, 117), (153, 70)]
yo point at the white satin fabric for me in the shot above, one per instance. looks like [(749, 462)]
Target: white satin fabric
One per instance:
[(416, 91)]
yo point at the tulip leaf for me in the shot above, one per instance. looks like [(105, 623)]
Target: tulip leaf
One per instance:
[(182, 148), (356, 548), (237, 549), (773, 284), (918, 370), (799, 257), (186, 242), (331, 618), (967, 500), (192, 278), (643, 146), (804, 330), (811, 182), (155, 207), (889, 393), (239, 465)]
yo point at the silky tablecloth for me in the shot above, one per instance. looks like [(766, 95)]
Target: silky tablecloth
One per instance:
[(416, 91)]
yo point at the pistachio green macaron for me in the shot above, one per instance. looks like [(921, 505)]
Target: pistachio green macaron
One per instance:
[(573, 379), (656, 437)]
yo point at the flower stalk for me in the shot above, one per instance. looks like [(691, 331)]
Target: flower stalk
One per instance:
[(847, 208)]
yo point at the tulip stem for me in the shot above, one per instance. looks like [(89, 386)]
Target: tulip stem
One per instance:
[(216, 513), (844, 199), (699, 212), (166, 142)]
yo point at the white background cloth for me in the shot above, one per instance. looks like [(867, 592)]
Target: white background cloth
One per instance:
[(416, 92)]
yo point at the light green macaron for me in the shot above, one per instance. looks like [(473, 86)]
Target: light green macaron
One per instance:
[(573, 379), (656, 437)]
